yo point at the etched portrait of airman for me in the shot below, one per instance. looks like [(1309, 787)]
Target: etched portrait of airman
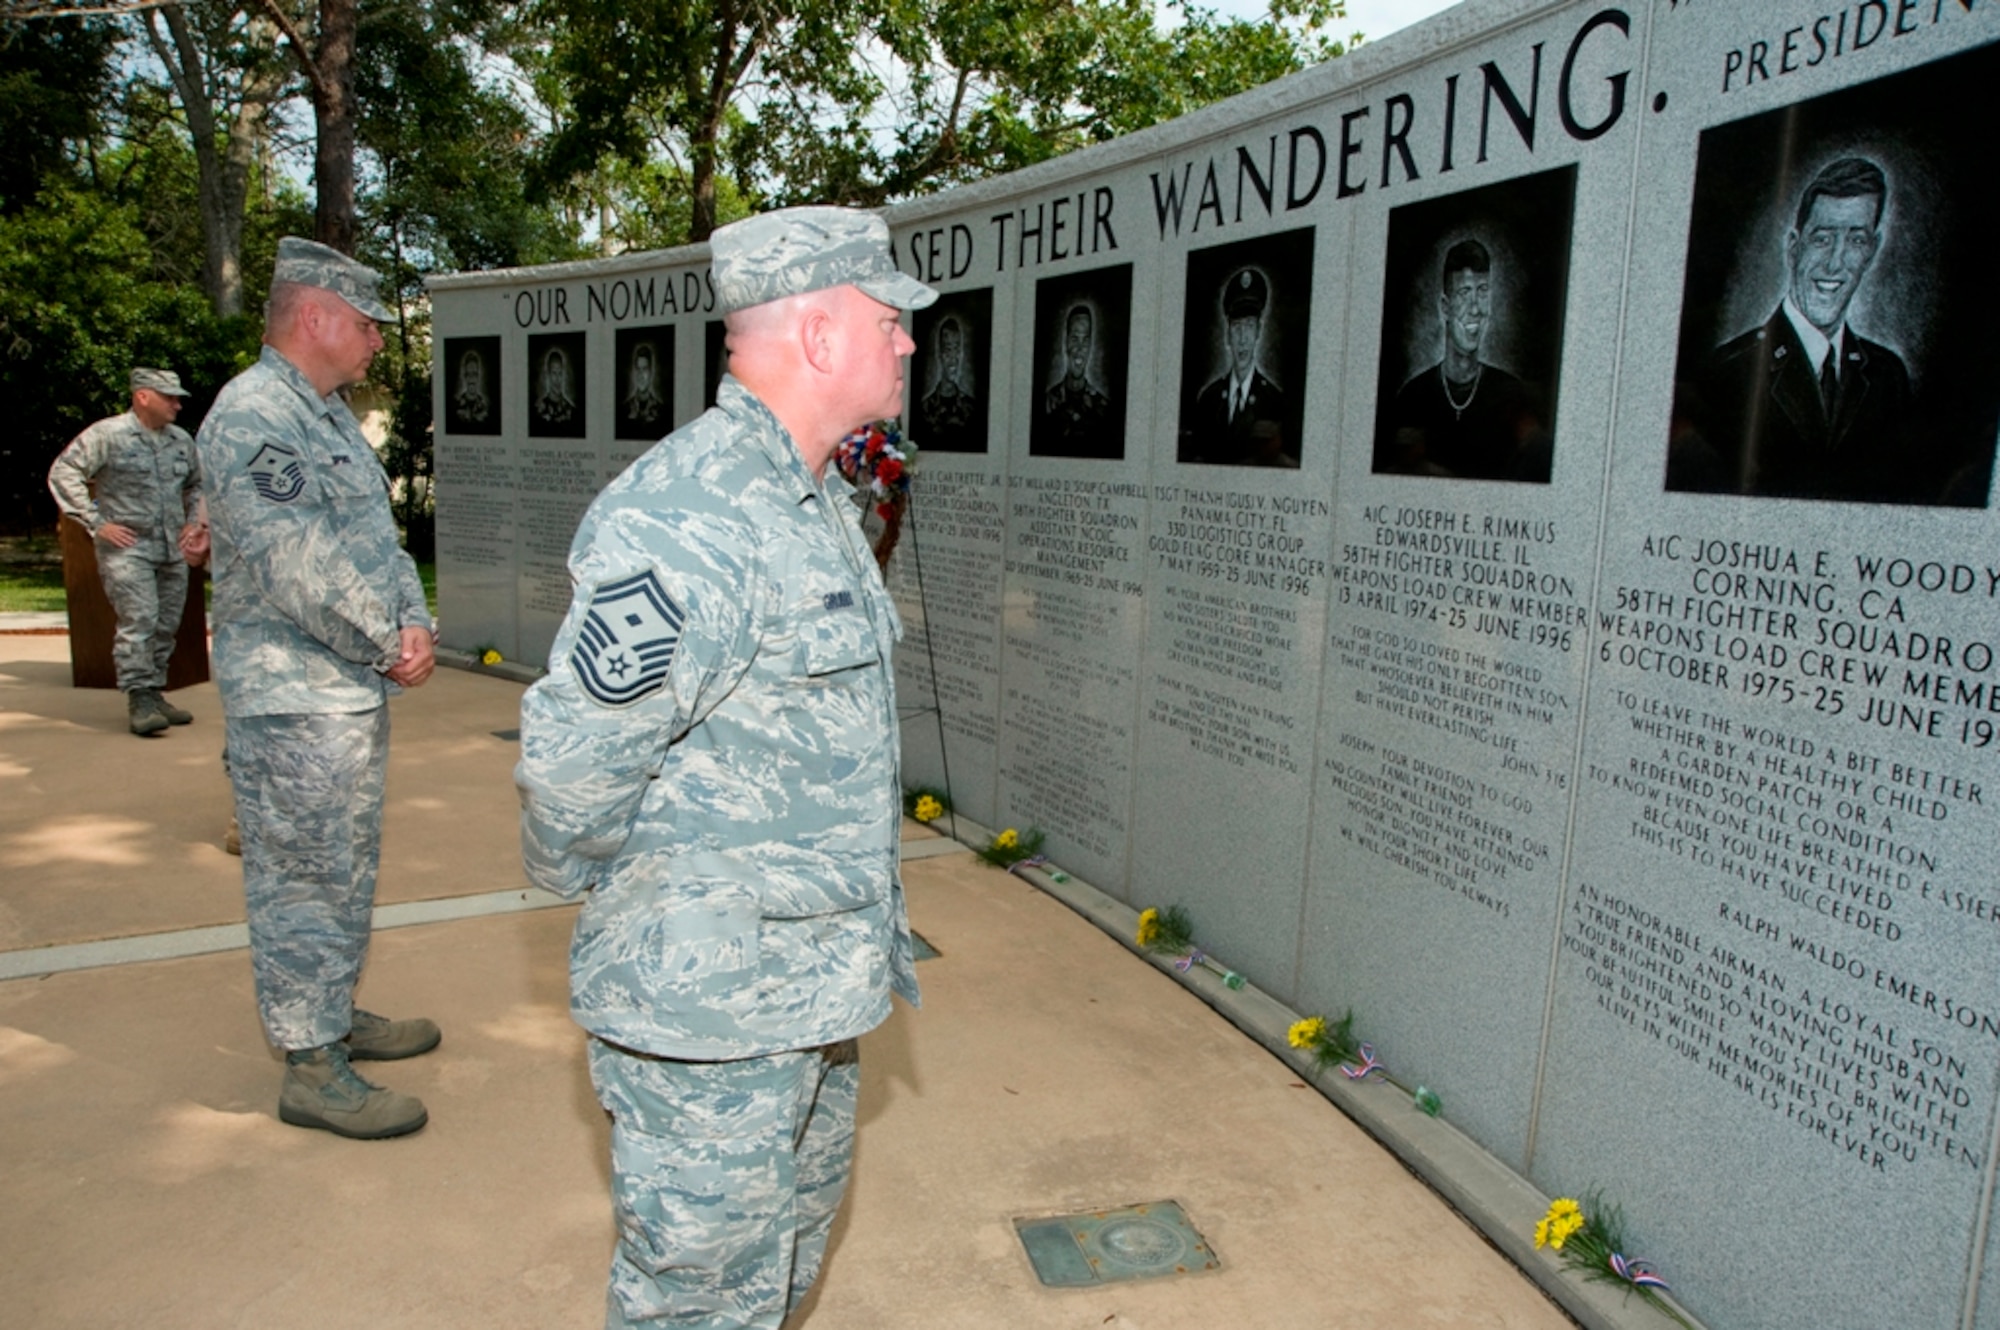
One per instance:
[(949, 372), (1472, 326), (556, 380), (1836, 336), (1243, 351), (471, 372), (1464, 416), (1082, 342), (645, 382)]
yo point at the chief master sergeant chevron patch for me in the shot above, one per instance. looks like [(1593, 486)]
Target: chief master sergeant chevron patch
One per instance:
[(276, 473), (626, 643)]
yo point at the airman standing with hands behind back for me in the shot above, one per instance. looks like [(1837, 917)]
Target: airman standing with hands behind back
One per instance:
[(713, 757)]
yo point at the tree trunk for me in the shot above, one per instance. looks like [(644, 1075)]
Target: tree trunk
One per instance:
[(188, 70), (713, 98), (261, 86), (701, 160), (333, 107), (222, 165)]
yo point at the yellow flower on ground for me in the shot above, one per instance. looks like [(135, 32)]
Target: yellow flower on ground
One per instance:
[(1564, 1218), (928, 808), (1149, 926), (491, 657), (1306, 1033), (1007, 839), (1560, 1225)]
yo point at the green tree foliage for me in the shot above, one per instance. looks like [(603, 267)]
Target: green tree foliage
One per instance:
[(139, 210), (449, 153), (873, 101), (80, 304), (53, 80), (444, 158), (225, 73), (102, 271), (988, 86), (671, 79)]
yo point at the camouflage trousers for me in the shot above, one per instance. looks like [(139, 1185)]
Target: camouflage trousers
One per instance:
[(725, 1177), (309, 814), (147, 594)]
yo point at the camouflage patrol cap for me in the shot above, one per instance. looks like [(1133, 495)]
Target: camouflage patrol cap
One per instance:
[(309, 263), (1245, 295), (795, 250), (163, 381)]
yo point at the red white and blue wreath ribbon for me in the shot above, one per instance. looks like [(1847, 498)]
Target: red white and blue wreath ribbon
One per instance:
[(1368, 1064), (1032, 861), (1189, 961), (1637, 1273)]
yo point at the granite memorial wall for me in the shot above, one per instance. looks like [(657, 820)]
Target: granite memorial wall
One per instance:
[(1500, 528)]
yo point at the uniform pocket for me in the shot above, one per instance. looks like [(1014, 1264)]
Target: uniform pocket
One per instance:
[(836, 640)]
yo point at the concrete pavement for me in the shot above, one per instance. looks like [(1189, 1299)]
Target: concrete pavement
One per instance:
[(148, 1181)]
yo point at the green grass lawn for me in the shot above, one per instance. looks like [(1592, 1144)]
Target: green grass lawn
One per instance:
[(31, 584), (36, 588)]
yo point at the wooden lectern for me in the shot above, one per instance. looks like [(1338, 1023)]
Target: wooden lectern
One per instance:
[(92, 624)]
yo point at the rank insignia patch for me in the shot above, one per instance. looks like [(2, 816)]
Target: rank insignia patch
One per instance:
[(627, 641), (277, 474)]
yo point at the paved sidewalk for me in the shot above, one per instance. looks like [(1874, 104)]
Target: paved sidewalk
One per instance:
[(33, 621), (148, 1181)]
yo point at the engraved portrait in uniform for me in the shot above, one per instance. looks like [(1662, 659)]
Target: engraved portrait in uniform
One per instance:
[(1474, 290), (472, 385), (950, 372), (1243, 351), (644, 382), (1836, 339), (1083, 326), (714, 360), (555, 386)]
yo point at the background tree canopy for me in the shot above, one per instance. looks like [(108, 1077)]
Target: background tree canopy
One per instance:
[(152, 153)]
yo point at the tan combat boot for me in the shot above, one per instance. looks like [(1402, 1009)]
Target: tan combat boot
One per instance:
[(174, 715), (379, 1039), (322, 1091), (141, 715)]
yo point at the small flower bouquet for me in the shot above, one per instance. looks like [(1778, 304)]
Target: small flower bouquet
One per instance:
[(877, 461), (1010, 847), (1332, 1043), (1329, 1043), (1172, 934), (926, 803), (1589, 1236)]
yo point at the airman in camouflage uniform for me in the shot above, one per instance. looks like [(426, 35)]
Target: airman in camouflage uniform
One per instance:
[(144, 512), (713, 758), (319, 617)]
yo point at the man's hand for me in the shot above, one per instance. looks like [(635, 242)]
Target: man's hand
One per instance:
[(124, 537), (194, 543), (418, 660)]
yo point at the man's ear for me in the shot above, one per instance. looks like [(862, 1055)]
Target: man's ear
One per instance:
[(817, 332)]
